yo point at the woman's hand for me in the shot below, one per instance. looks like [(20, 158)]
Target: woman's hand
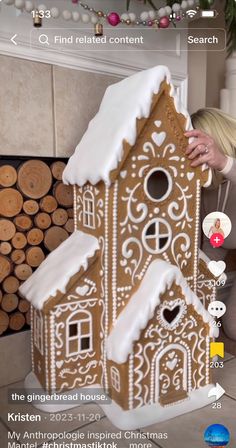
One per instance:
[(204, 150)]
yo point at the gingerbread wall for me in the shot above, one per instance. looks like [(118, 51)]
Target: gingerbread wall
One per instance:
[(63, 370), (161, 144)]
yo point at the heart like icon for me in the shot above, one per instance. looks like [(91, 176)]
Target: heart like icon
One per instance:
[(216, 267)]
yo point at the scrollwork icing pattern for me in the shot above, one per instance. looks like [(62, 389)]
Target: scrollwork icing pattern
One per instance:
[(174, 207), (132, 268), (177, 212)]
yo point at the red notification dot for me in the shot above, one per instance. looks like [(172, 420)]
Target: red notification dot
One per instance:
[(217, 240)]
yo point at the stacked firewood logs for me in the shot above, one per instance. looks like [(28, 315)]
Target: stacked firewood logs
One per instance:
[(36, 215)]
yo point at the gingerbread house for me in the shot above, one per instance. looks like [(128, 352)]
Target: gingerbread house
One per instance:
[(116, 305)]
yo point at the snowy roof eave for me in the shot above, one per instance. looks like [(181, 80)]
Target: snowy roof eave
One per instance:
[(100, 150), (58, 268)]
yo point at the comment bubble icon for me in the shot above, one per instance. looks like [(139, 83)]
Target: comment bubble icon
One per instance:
[(217, 308)]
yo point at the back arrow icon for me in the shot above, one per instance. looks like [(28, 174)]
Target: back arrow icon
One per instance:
[(13, 39)]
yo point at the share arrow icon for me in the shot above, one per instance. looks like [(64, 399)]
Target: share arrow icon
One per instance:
[(216, 391)]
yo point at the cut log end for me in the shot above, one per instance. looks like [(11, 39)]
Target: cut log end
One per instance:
[(23, 222), (23, 306), (48, 204), (43, 220), (23, 271), (18, 256), (9, 302), (19, 240), (16, 321), (4, 321), (57, 169), (8, 176), (11, 202), (11, 284), (60, 217), (7, 229), (34, 256), (31, 207), (35, 236), (54, 237), (5, 267), (34, 179), (5, 248), (63, 194)]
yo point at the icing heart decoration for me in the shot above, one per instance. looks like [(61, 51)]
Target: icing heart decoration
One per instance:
[(59, 364), (172, 364), (158, 138), (158, 123), (171, 355), (82, 290), (171, 314), (216, 267), (190, 176)]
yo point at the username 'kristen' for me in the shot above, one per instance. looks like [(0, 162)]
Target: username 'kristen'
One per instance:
[(18, 417)]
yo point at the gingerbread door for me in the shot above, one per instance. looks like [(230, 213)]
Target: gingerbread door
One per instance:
[(171, 375)]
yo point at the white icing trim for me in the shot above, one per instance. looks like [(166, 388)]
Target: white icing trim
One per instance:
[(114, 253), (170, 184), (75, 208), (131, 381), (46, 353), (196, 235), (52, 350), (106, 284), (32, 311), (136, 315), (157, 236)]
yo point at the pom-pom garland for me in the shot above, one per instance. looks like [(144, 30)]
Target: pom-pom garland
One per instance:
[(169, 14)]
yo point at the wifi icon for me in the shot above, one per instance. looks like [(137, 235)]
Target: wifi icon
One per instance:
[(191, 13)]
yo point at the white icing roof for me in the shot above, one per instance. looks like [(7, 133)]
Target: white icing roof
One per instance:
[(134, 318), (101, 148), (57, 269)]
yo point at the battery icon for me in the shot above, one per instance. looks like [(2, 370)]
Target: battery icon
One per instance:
[(209, 13)]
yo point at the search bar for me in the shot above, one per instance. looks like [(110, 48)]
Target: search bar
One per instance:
[(133, 39)]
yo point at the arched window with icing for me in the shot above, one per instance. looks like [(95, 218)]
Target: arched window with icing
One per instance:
[(88, 210)]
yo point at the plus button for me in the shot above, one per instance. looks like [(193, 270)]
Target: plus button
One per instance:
[(217, 240)]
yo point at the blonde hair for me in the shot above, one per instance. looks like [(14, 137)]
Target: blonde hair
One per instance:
[(221, 127)]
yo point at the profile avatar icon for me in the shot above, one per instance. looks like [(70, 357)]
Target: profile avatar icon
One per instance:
[(217, 436)]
